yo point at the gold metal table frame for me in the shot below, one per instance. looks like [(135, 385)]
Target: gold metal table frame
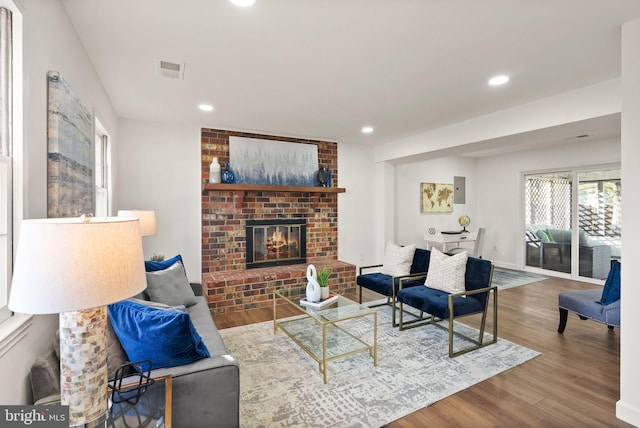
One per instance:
[(317, 332), (153, 409)]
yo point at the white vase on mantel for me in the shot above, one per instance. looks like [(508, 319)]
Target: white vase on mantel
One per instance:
[(214, 171), (313, 288)]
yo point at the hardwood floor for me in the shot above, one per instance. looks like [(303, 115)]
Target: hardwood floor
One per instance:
[(575, 382)]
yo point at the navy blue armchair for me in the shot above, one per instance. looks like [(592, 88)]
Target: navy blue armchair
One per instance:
[(387, 285), (436, 305)]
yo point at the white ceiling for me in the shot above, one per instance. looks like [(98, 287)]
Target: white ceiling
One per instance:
[(322, 69)]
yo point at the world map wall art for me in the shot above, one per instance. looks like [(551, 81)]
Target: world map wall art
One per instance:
[(436, 198)]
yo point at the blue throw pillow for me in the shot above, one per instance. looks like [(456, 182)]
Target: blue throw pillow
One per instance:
[(152, 266), (166, 337), (611, 290)]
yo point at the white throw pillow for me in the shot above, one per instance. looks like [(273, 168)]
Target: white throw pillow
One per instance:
[(446, 273), (398, 259)]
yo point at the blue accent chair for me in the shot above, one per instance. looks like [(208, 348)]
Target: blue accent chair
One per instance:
[(382, 283), (440, 305), (602, 306)]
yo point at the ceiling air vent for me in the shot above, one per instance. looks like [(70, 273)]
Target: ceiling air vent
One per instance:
[(169, 69)]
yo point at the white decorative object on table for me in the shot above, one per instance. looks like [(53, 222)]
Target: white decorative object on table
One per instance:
[(313, 288), (324, 292)]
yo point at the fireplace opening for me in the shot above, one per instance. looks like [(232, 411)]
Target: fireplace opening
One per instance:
[(276, 242)]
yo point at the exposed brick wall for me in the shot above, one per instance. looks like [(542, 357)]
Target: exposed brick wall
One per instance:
[(224, 214), (231, 291)]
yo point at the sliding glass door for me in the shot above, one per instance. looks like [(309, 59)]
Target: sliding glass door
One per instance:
[(548, 220), (599, 221), (568, 207)]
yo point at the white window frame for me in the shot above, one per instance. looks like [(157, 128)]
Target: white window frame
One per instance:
[(13, 194), (6, 233), (102, 174)]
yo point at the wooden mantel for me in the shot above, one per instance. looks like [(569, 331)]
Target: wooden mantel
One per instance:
[(265, 188)]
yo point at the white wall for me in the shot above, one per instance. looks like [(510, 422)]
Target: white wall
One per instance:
[(356, 207), (50, 43), (159, 169), (499, 191), (628, 407), (410, 223), (493, 193)]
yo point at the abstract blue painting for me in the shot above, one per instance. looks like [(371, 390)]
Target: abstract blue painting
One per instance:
[(70, 152), (274, 163)]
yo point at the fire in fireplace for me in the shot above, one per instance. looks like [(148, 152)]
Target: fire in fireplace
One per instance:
[(276, 242)]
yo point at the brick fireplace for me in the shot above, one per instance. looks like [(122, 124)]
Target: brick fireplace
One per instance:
[(227, 209)]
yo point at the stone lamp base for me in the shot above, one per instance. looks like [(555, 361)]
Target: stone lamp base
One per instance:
[(83, 365)]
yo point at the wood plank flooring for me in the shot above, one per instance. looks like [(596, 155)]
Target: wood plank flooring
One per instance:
[(575, 382)]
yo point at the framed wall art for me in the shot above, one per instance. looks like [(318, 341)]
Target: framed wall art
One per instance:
[(274, 163), (70, 152), (436, 198)]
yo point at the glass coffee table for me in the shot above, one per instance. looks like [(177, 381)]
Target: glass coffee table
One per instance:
[(321, 333)]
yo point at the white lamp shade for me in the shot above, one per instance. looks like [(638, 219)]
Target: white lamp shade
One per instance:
[(147, 220), (66, 264)]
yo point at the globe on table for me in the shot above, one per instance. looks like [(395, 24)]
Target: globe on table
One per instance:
[(464, 221)]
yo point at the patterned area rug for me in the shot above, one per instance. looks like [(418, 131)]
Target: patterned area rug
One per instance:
[(281, 386), (504, 278)]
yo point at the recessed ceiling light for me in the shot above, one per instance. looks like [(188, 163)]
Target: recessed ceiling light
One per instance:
[(499, 80), (243, 3), (367, 130), (205, 107)]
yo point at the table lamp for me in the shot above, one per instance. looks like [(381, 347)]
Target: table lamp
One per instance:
[(147, 220), (75, 267)]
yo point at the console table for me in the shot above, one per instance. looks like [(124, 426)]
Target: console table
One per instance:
[(443, 239)]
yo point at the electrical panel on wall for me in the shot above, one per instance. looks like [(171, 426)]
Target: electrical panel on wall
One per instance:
[(458, 190)]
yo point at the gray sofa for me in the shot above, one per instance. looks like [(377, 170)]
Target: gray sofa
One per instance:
[(206, 392)]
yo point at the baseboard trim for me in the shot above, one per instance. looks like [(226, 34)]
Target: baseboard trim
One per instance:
[(628, 413)]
